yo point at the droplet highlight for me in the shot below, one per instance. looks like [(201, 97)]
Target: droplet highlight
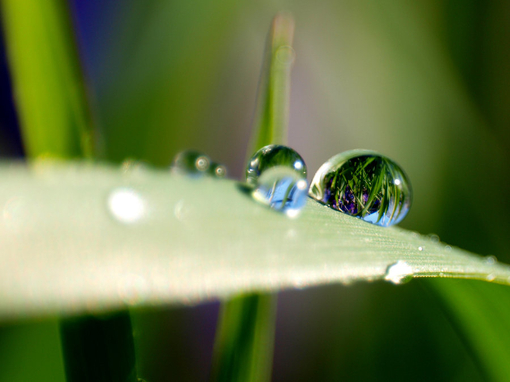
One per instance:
[(126, 205), (274, 156), (217, 170), (399, 273), (364, 184), (282, 189), (191, 162)]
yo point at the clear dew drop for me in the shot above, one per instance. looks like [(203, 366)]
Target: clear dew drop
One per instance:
[(126, 205), (274, 156), (191, 162), (281, 189), (399, 273), (448, 248), (421, 249), (490, 260), (364, 184), (434, 238), (490, 277), (217, 170)]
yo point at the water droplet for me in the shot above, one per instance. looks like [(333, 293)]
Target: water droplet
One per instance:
[(421, 248), (363, 184), (490, 277), (217, 170), (126, 205), (448, 248), (191, 162), (131, 165), (433, 237), (285, 55), (491, 259), (282, 189), (272, 156), (399, 273)]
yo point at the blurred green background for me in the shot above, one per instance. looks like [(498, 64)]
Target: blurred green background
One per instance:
[(425, 82)]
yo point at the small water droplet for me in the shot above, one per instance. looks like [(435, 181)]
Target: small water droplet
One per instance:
[(285, 55), (272, 156), (363, 184), (126, 205), (191, 162), (131, 165), (217, 170), (491, 259), (490, 277), (448, 248), (181, 211), (421, 248), (433, 237), (399, 273), (281, 189)]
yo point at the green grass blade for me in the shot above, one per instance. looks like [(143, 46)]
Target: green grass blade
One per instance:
[(271, 117), (47, 79), (480, 313), (68, 246), (244, 339)]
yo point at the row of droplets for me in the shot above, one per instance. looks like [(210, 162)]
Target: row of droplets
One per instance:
[(359, 183)]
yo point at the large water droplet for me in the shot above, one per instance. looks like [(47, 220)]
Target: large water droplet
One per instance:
[(282, 189), (363, 184), (399, 273), (191, 162), (272, 156), (126, 205)]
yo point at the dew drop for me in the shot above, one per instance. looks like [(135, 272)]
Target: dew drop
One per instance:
[(490, 260), (421, 249), (434, 238), (272, 156), (217, 170), (490, 277), (399, 273), (448, 248), (126, 205), (191, 162), (281, 189), (363, 184)]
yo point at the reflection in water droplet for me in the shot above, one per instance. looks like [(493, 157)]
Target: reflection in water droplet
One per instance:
[(191, 162), (126, 205), (217, 170), (281, 189), (399, 273), (421, 249), (491, 259), (363, 184), (272, 156)]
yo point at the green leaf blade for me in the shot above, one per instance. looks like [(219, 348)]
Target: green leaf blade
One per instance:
[(64, 252)]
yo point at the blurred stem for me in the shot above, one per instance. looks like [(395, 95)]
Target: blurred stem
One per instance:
[(244, 341), (55, 120), (47, 79), (99, 348), (245, 335)]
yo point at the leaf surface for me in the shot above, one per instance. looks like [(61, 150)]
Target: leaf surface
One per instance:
[(82, 238)]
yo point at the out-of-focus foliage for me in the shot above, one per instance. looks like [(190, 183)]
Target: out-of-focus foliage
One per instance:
[(424, 82)]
